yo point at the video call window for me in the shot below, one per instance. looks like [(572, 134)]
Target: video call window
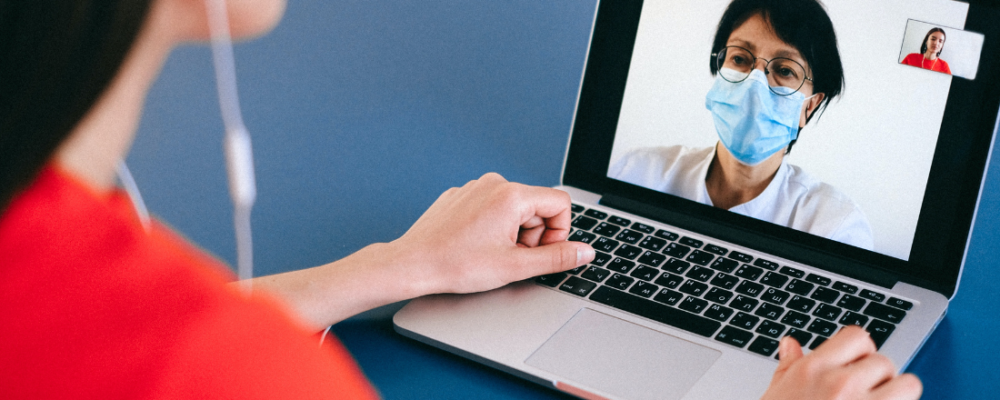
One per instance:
[(941, 49), (803, 117)]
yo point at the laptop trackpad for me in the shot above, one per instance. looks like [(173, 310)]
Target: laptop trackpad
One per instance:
[(622, 358)]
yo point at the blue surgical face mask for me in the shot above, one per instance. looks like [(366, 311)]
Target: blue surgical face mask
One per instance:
[(752, 122)]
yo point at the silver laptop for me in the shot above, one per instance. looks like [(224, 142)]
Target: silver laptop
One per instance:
[(865, 221)]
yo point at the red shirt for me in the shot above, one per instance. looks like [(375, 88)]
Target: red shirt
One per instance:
[(918, 60), (93, 306)]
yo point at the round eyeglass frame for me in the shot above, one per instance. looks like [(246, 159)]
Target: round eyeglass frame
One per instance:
[(719, 63)]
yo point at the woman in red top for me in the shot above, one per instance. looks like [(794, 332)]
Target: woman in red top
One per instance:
[(97, 305), (930, 50)]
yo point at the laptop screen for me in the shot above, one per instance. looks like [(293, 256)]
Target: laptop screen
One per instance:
[(834, 120)]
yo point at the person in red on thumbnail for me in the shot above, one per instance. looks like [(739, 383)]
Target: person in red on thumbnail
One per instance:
[(930, 52)]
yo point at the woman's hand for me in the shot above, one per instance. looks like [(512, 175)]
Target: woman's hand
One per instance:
[(844, 367), (489, 233), (481, 236)]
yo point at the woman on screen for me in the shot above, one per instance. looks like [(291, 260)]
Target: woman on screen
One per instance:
[(776, 63), (930, 52)]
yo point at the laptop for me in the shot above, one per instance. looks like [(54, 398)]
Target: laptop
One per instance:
[(865, 221)]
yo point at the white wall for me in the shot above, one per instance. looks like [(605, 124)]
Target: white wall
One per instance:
[(961, 49), (875, 144)]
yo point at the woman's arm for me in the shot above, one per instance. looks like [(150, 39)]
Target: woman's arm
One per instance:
[(481, 236)]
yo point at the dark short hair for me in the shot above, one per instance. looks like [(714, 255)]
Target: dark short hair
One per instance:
[(805, 25), (923, 45), (56, 59)]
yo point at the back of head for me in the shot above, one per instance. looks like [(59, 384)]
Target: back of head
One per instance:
[(56, 59)]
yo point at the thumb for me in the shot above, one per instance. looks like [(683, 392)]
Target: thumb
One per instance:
[(789, 351), (554, 257)]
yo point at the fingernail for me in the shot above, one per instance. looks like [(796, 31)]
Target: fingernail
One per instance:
[(584, 254)]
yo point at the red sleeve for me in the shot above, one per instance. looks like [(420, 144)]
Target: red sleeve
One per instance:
[(93, 307), (944, 67), (912, 59)]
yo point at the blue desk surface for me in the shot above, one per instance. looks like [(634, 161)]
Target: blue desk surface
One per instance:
[(364, 111)]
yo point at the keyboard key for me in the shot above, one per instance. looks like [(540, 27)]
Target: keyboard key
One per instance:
[(766, 264), (652, 243), (601, 258), (669, 280), (846, 288), (887, 313), (643, 228), (800, 287), (825, 295), (718, 295), (763, 346), (772, 295), (852, 318), (619, 281), (628, 251), (816, 342), (716, 249), (552, 280), (748, 272), (657, 312), (750, 288), (577, 270), (733, 336), (676, 250), (801, 304), (774, 279), (801, 336), (577, 286), (644, 289), (667, 296), (606, 229), (645, 273), (769, 311), (900, 304), (718, 312), (584, 223), (744, 320), (576, 208), (880, 331), (619, 221), (796, 319), (771, 328), (822, 327), (725, 265), (676, 266), (690, 242), (651, 258), (873, 296), (792, 272), (595, 274), (620, 265), (700, 257), (595, 214), (819, 280), (700, 273), (851, 303), (740, 256), (629, 236), (666, 235), (693, 288), (693, 304), (744, 303), (604, 244), (582, 236), (725, 281), (828, 312)]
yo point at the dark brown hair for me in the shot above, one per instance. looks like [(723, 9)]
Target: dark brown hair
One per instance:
[(56, 59)]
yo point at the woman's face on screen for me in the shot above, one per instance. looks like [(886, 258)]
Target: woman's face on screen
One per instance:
[(935, 42)]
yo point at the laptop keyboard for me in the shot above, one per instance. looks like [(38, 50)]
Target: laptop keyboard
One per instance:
[(713, 291)]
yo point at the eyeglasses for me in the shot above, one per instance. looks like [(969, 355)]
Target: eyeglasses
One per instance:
[(784, 76)]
